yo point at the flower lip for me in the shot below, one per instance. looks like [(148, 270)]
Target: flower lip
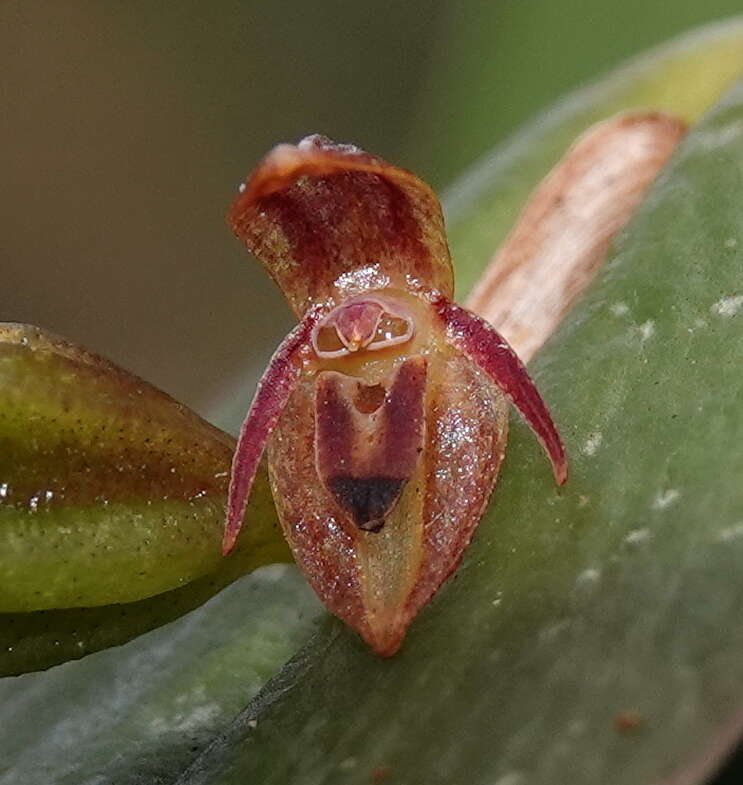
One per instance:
[(363, 323)]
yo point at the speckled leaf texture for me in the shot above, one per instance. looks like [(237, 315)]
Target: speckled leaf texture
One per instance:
[(593, 633), (111, 504)]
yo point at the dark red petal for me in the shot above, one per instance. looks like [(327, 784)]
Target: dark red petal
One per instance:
[(476, 339), (273, 392), (329, 221)]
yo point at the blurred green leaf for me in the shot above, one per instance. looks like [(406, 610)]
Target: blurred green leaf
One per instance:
[(567, 611), (499, 64)]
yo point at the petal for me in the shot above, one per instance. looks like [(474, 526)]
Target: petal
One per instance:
[(489, 350), (329, 221), (273, 391)]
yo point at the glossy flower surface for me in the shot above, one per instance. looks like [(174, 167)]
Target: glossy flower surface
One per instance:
[(384, 413)]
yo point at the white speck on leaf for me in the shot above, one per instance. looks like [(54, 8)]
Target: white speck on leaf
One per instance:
[(636, 536), (592, 443), (512, 778), (714, 137), (241, 188), (646, 330), (347, 764), (665, 499), (186, 721), (731, 242), (619, 309), (728, 306), (731, 533), (588, 577), (577, 728), (552, 631)]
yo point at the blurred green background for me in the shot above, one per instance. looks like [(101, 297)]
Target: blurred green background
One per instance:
[(126, 127)]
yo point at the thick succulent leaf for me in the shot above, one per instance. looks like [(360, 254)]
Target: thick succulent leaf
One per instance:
[(136, 714), (110, 491), (594, 634), (39, 639), (428, 699)]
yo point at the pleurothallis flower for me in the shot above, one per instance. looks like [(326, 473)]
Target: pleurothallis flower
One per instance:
[(384, 412)]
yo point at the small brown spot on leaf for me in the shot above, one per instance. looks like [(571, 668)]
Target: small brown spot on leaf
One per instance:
[(627, 721)]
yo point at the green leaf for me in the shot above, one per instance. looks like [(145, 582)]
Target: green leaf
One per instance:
[(497, 66), (138, 713), (594, 633), (506, 673), (39, 639), (110, 492)]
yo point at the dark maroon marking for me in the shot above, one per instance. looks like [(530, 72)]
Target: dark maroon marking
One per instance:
[(479, 341), (368, 499), (403, 415), (345, 220), (303, 229), (366, 455), (403, 230), (269, 401), (334, 425)]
